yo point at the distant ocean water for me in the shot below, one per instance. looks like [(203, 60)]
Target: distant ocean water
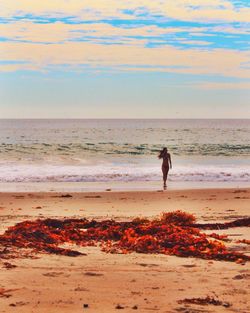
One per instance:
[(123, 150)]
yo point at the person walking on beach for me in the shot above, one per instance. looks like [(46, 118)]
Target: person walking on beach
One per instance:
[(166, 164)]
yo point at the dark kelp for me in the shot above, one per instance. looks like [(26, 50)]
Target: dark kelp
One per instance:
[(205, 301)]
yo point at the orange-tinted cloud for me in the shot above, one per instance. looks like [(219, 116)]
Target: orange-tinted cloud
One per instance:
[(167, 58)]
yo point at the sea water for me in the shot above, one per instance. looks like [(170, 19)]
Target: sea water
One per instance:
[(124, 150)]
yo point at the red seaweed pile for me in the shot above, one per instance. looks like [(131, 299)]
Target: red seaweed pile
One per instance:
[(174, 233)]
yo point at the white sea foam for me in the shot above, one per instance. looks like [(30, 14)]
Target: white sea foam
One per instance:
[(131, 172)]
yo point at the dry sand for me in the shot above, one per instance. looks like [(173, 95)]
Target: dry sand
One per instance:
[(137, 282)]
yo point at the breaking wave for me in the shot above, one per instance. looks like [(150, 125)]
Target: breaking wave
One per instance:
[(107, 173)]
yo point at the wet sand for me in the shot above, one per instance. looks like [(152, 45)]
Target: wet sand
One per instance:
[(112, 282)]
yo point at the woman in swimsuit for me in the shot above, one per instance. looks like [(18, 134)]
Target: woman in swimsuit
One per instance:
[(166, 164)]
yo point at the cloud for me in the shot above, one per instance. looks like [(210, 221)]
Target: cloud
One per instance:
[(195, 42), (171, 59), (188, 10), (60, 32), (229, 29), (75, 34), (105, 33)]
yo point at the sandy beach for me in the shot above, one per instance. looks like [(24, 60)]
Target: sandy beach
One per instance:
[(125, 156), (101, 282)]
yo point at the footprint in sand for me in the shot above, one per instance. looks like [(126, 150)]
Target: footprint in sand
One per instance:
[(93, 274), (53, 274), (241, 276), (20, 303)]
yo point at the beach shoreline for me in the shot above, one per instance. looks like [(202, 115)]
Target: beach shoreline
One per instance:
[(150, 282), (147, 186)]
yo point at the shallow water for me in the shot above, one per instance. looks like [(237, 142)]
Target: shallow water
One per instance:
[(123, 150)]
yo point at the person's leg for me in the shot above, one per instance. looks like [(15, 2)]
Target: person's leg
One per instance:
[(165, 175), (164, 172)]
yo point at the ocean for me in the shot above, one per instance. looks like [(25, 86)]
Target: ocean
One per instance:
[(124, 150)]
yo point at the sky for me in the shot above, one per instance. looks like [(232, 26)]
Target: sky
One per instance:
[(125, 59)]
